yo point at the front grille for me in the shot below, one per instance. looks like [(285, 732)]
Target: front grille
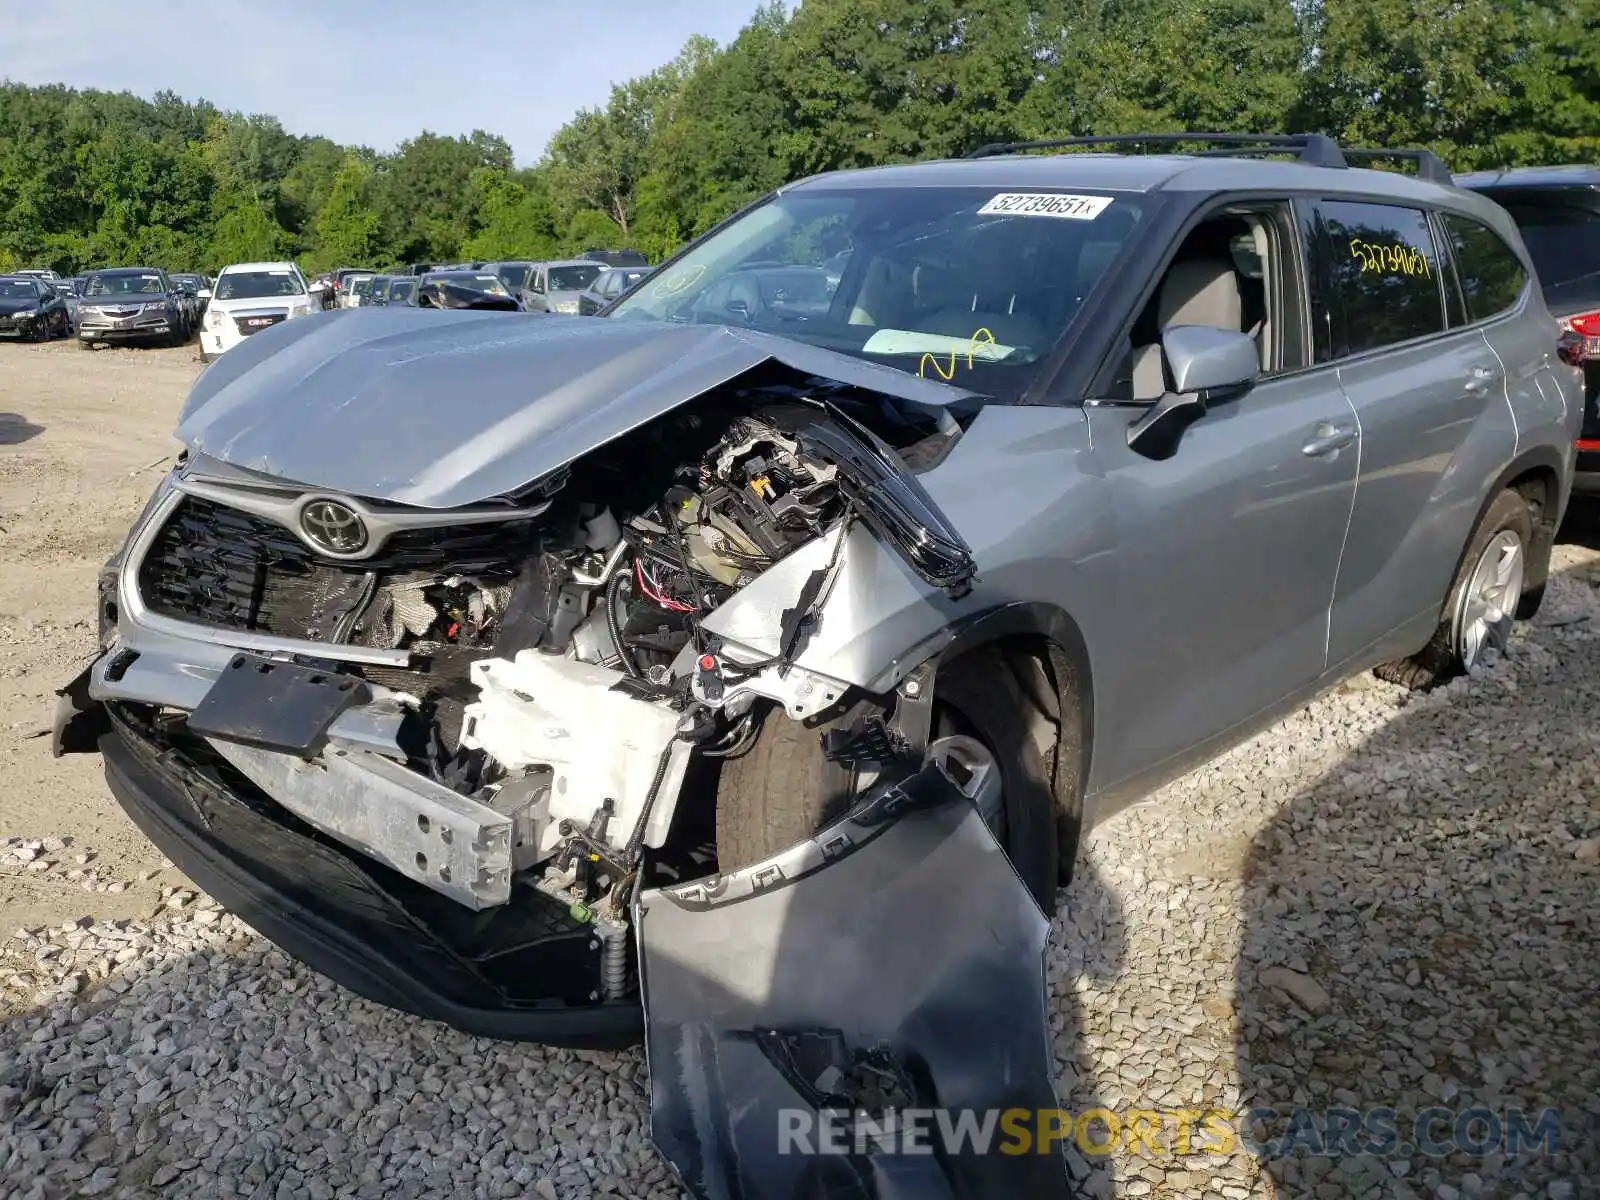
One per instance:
[(218, 566), (257, 322)]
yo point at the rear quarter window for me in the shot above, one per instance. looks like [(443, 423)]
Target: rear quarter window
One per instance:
[(1490, 273), (1384, 275)]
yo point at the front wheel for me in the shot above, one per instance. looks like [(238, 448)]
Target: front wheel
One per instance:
[(1483, 601), (783, 790)]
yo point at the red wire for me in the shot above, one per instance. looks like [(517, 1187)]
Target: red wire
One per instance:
[(663, 601)]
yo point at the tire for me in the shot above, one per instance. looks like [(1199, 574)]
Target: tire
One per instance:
[(1492, 572), (783, 790)]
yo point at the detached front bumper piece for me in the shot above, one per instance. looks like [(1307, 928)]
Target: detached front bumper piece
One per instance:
[(806, 1014), (526, 972)]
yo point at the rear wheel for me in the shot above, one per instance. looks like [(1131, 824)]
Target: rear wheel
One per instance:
[(784, 789), (1483, 601)]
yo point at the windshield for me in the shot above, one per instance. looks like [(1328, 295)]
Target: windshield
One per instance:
[(969, 285), (257, 285), (132, 283), (573, 279), (360, 285), (513, 275), (18, 289), (401, 289), (477, 281), (188, 281)]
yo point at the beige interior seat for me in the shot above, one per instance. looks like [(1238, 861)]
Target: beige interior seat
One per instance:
[(1196, 291)]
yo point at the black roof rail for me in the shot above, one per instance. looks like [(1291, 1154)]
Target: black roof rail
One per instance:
[(1429, 165), (1317, 149)]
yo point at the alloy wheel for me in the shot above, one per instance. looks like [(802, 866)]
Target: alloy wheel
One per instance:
[(1488, 604)]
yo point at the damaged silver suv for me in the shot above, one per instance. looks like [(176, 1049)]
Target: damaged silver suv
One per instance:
[(454, 638)]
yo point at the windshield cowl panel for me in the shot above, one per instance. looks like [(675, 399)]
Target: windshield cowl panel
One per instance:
[(972, 285)]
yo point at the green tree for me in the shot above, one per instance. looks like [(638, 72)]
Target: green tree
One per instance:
[(514, 217), (346, 226), (246, 233)]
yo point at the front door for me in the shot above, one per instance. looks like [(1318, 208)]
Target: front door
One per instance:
[(1230, 548)]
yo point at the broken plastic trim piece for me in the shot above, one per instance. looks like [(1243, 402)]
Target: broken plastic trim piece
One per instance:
[(891, 966), (891, 501)]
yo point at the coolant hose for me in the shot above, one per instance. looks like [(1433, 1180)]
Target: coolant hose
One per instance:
[(613, 594)]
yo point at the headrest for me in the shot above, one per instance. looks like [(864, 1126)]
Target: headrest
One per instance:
[(1201, 291)]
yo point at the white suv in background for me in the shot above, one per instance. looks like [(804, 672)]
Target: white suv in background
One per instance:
[(248, 297)]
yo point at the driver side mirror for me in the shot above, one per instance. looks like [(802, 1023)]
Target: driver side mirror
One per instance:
[(1208, 366)]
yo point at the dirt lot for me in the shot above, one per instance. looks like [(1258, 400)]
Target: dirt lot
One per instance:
[(83, 440)]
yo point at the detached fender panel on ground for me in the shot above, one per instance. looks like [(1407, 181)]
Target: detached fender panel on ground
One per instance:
[(895, 963)]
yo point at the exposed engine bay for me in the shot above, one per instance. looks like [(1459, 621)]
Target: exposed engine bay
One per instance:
[(552, 661)]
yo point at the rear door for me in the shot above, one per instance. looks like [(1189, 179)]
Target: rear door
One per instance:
[(1496, 295), (1431, 400)]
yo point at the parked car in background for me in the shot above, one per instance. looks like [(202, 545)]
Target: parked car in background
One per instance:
[(556, 287), (44, 273), (513, 273), (607, 286), (69, 290), (402, 291), (1557, 211), (189, 288), (376, 292), (249, 297), (616, 258), (465, 289), (32, 309), (341, 283), (131, 304), (356, 289)]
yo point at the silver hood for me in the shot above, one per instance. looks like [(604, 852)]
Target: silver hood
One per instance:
[(440, 409)]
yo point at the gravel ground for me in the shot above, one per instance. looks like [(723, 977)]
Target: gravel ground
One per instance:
[(1385, 901)]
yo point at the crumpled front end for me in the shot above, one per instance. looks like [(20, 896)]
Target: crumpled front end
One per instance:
[(472, 730)]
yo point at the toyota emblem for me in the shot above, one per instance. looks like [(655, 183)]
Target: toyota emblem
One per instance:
[(334, 527)]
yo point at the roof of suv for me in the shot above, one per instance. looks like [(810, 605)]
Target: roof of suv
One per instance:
[(1135, 173)]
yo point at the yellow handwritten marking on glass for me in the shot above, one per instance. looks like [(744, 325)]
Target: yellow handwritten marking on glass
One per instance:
[(1389, 258), (981, 338), (680, 280)]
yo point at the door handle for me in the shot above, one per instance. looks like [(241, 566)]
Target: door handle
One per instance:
[(1479, 379), (1328, 439)]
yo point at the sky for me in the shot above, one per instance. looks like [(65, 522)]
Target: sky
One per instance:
[(365, 72)]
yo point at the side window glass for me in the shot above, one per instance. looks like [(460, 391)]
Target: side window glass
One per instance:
[(1384, 275), (1491, 273)]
